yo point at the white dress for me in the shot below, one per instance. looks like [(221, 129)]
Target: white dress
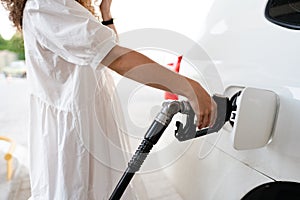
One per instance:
[(75, 127)]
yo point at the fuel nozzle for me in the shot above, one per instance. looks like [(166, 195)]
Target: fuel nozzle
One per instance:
[(225, 108), (161, 122)]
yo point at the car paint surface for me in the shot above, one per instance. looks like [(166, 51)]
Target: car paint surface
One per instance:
[(245, 50)]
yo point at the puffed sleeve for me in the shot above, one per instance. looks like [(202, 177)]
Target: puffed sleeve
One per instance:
[(70, 31)]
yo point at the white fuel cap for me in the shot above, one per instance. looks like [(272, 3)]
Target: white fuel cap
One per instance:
[(255, 118)]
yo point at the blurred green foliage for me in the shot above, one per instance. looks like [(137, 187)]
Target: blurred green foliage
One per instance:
[(15, 44)]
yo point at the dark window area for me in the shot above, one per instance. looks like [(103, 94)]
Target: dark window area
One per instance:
[(285, 13)]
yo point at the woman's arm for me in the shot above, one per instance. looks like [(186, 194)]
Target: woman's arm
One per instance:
[(140, 68), (106, 14)]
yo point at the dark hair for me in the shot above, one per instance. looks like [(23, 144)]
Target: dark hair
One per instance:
[(15, 8)]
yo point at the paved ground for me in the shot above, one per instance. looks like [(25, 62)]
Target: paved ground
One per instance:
[(14, 110)]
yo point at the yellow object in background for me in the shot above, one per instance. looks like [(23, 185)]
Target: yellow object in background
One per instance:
[(8, 156)]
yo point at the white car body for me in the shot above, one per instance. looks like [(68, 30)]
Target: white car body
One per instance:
[(248, 51)]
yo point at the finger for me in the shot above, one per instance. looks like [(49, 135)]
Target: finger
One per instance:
[(213, 119), (203, 120), (199, 121), (214, 115), (206, 119)]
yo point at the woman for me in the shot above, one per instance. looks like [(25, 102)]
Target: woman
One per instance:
[(74, 135)]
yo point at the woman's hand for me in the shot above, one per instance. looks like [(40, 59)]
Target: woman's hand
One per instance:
[(203, 105)]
